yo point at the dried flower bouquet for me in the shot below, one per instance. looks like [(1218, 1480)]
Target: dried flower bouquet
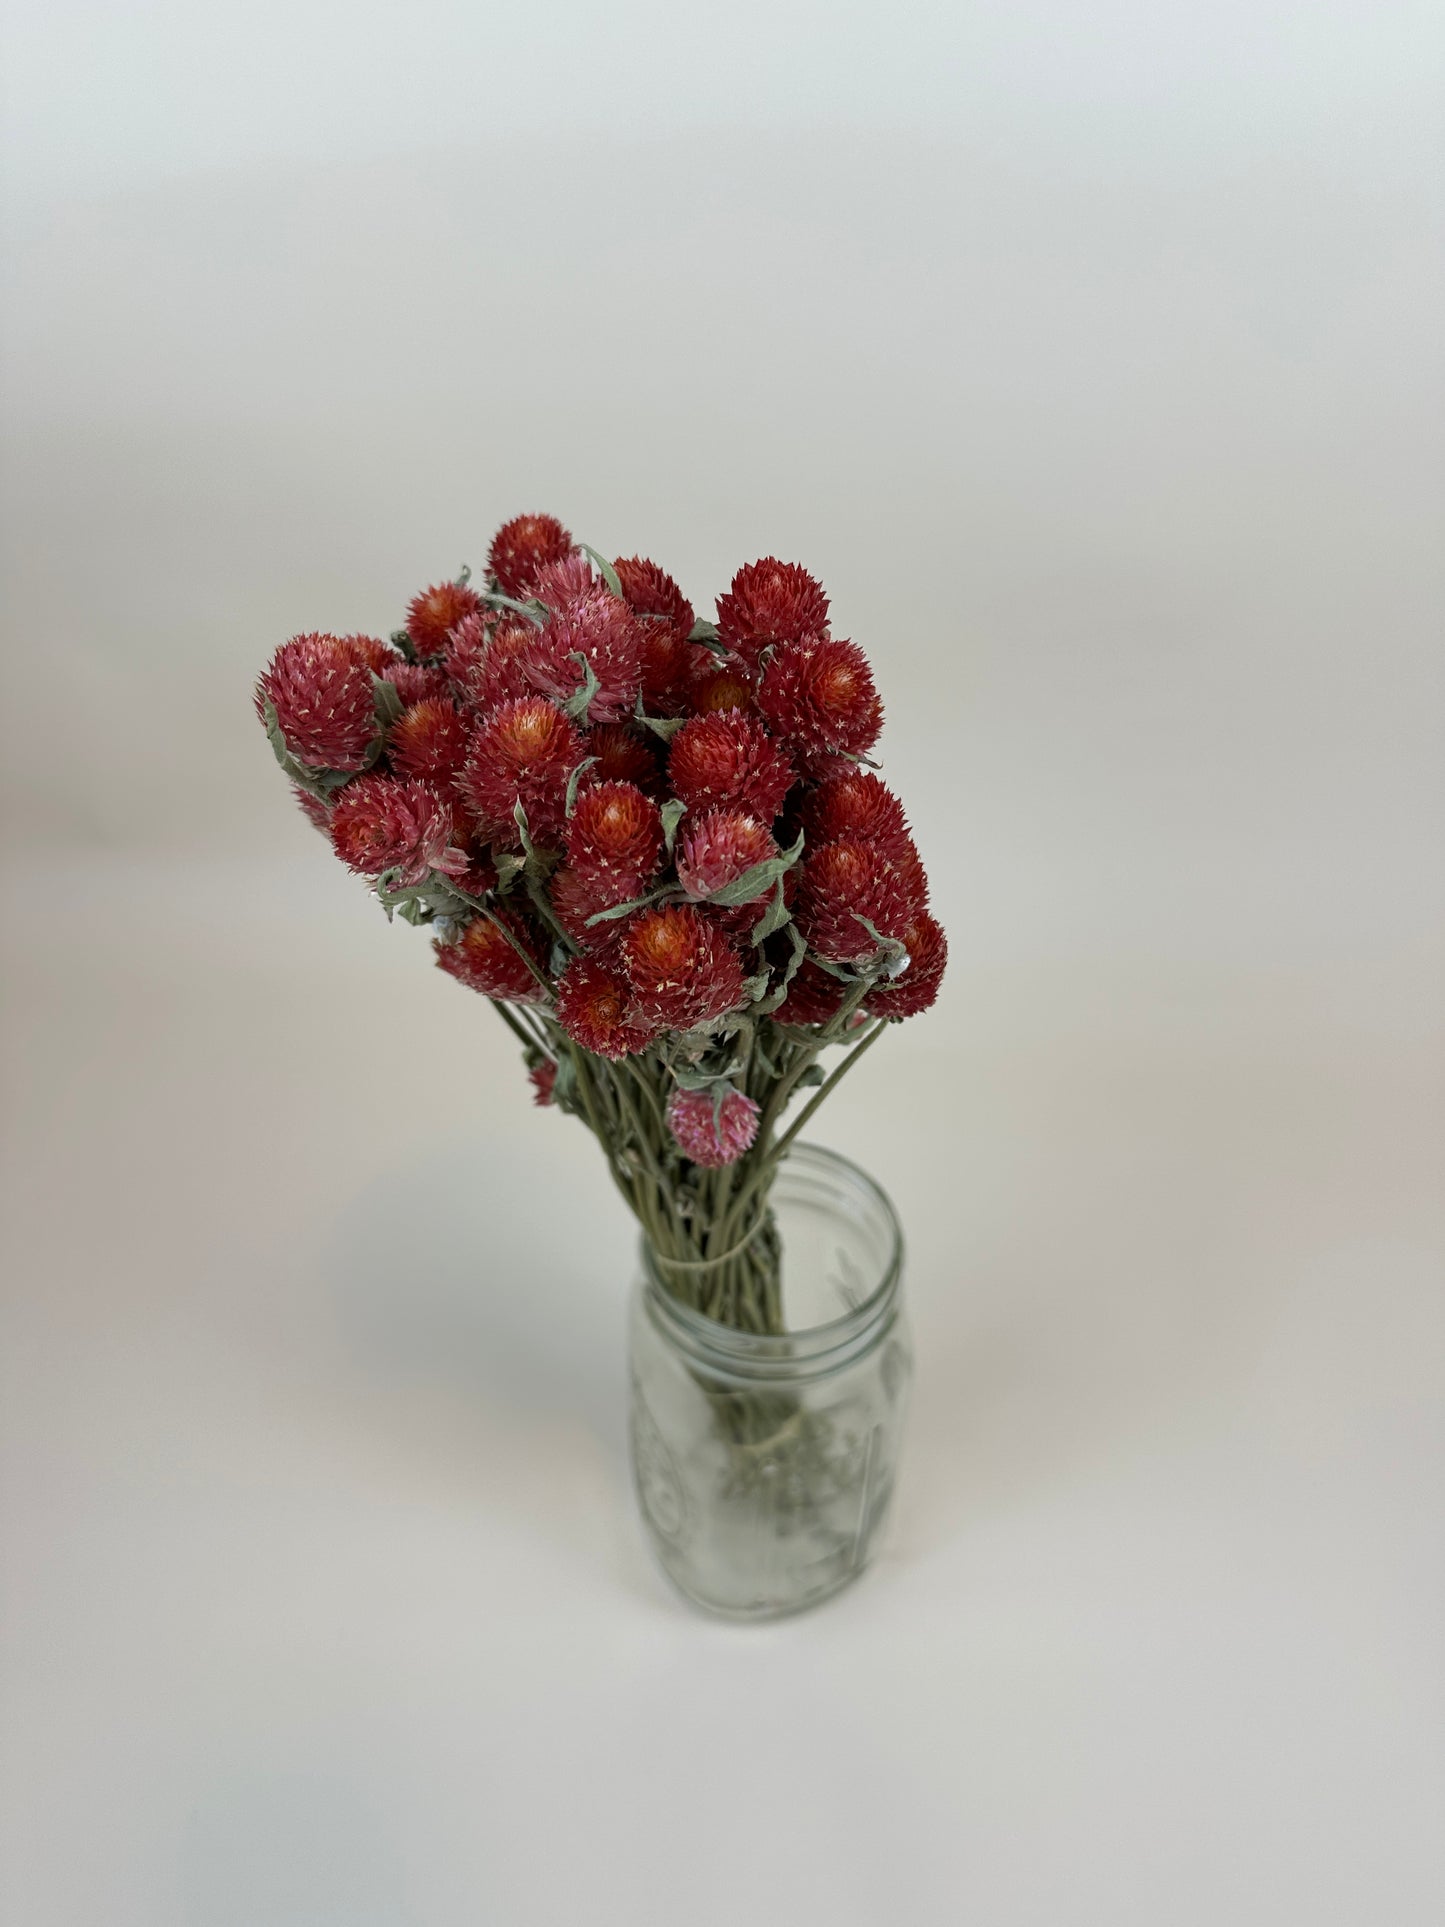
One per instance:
[(655, 844)]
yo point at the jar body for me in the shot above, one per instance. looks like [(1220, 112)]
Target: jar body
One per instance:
[(765, 1465)]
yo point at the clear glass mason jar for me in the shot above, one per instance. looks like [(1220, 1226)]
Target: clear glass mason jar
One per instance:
[(765, 1465)]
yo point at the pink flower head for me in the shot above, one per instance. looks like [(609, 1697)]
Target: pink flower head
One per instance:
[(417, 682), (499, 673), (575, 899), (566, 580), (324, 700), (544, 1078), (386, 822), (313, 809), (595, 632), (718, 847), (712, 1131)]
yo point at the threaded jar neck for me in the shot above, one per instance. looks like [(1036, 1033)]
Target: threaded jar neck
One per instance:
[(854, 1246)]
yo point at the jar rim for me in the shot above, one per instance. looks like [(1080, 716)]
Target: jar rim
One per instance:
[(815, 1346)]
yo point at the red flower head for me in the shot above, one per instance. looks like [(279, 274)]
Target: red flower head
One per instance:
[(712, 1132), (564, 581), (522, 752), (523, 546), (729, 759), (650, 591), (624, 755), (324, 702), (416, 682), (465, 648), (375, 654), (842, 883), (682, 968), (313, 809), (770, 601), (716, 848), (818, 695), (574, 899), (499, 674), (432, 615), (714, 685), (384, 823), (855, 803), (665, 623), (544, 1078), (813, 997), (486, 957), (614, 840), (429, 739), (601, 631), (594, 1007), (917, 988)]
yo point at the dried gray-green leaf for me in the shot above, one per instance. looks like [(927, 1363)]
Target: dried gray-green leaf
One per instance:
[(773, 918), (574, 779), (672, 813), (761, 877), (605, 569), (580, 701), (387, 698)]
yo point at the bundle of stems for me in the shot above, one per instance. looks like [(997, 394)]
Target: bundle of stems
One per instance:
[(710, 1232)]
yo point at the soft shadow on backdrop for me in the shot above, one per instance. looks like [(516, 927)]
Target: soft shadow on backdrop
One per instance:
[(1094, 366)]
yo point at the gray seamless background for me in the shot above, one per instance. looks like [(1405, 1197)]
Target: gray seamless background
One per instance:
[(1091, 357)]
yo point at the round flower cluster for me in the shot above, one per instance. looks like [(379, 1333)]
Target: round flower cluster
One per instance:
[(650, 826)]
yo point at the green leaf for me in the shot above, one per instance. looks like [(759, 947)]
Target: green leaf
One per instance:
[(605, 569), (509, 867), (574, 779), (402, 641), (577, 704), (664, 726), (519, 817), (387, 699), (773, 918), (895, 953), (756, 987), (761, 877), (814, 1074), (536, 612), (626, 909), (464, 578), (772, 1002), (672, 813), (706, 634)]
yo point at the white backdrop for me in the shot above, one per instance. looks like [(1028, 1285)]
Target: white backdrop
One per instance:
[(1091, 358)]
